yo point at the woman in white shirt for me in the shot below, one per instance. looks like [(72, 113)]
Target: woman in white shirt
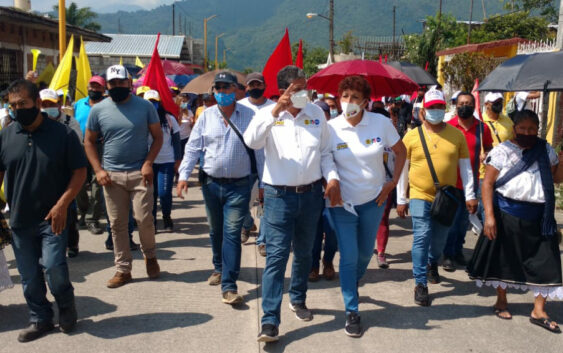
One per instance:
[(166, 162), (358, 140), (520, 248)]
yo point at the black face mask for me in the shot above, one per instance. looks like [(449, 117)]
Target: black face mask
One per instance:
[(95, 95), (26, 116), (496, 108), (526, 141), (465, 111), (256, 93), (119, 94)]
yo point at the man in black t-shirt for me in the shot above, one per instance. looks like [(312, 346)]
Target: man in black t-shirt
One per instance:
[(43, 166)]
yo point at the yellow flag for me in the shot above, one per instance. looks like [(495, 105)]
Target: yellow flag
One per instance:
[(62, 75), (139, 63), (120, 60), (83, 73), (35, 53), (47, 74)]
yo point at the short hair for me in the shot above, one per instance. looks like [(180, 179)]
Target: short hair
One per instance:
[(355, 83), (465, 93), (28, 86), (524, 115), (289, 74)]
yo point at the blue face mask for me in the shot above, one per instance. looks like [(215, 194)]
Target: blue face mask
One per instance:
[(184, 106), (225, 99), (435, 116)]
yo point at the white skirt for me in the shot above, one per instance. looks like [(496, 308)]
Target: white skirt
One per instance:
[(5, 280), (544, 291)]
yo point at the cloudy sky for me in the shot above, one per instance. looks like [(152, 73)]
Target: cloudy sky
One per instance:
[(96, 5)]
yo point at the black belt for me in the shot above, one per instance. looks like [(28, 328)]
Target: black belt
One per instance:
[(298, 189), (226, 180)]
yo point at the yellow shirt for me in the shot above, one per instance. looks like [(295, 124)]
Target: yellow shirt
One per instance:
[(198, 112), (502, 128), (446, 148)]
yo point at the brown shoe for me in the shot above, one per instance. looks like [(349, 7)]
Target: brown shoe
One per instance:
[(119, 279), (214, 279), (153, 269), (232, 298), (262, 250), (328, 271), (314, 275)]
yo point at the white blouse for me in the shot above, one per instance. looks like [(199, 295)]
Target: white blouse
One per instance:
[(526, 186)]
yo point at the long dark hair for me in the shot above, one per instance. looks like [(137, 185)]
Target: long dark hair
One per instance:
[(162, 116)]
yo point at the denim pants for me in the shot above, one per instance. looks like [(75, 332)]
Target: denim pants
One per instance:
[(456, 234), (40, 255), (290, 218), (226, 205), (163, 181), (325, 231), (429, 239), (356, 240), (248, 220)]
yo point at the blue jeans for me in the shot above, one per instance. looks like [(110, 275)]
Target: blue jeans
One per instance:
[(130, 225), (356, 241), (429, 239), (248, 220), (324, 228), (226, 205), (38, 249), (289, 218), (261, 238), (163, 181), (456, 234)]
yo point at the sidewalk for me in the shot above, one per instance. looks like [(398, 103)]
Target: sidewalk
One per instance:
[(181, 313)]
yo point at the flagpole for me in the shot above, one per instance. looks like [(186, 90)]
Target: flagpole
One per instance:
[(62, 29)]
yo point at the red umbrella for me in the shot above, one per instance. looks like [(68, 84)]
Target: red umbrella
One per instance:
[(383, 79), (172, 68)]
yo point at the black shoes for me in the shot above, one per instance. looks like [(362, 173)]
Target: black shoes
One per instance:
[(34, 331), (67, 318), (95, 228), (301, 311), (269, 333), (353, 326), (448, 264), (132, 246), (432, 274), (460, 259), (168, 225), (421, 296), (72, 252)]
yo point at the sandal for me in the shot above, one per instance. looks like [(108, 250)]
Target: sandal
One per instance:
[(499, 312), (546, 323)]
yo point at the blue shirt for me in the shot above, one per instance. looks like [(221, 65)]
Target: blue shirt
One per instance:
[(223, 153), (125, 130), (81, 111)]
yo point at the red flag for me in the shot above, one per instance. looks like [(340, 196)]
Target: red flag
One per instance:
[(380, 59), (386, 58), (280, 58), (477, 98), (156, 80), (299, 58), (426, 66)]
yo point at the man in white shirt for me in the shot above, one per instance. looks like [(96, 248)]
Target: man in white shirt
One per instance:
[(295, 138)]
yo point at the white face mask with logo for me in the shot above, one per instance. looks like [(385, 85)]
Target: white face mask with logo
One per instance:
[(350, 110), (300, 99)]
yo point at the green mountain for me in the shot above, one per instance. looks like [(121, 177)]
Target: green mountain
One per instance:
[(254, 27)]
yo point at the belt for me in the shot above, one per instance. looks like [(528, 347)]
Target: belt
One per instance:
[(226, 180), (298, 189)]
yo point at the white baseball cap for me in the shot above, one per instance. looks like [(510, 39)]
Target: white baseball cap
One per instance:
[(432, 97), (454, 96), (493, 97), (117, 72), (49, 95), (152, 94)]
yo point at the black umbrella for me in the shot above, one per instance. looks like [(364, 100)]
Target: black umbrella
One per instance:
[(414, 72), (533, 72)]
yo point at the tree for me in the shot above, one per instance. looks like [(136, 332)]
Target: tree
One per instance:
[(546, 8), (462, 70), (346, 44), (311, 57), (81, 17), (517, 24)]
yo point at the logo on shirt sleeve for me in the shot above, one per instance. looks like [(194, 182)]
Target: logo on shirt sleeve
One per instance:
[(278, 123), (341, 146)]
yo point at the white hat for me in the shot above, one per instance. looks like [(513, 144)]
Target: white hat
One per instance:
[(116, 72), (49, 95), (493, 97), (432, 97), (152, 94), (454, 96)]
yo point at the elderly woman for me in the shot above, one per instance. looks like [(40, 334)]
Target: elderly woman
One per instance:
[(358, 142), (520, 248)]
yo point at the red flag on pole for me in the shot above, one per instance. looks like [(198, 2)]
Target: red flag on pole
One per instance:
[(386, 58), (280, 58), (426, 66), (155, 79), (299, 58), (477, 98)]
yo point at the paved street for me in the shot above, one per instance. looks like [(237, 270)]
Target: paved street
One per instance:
[(181, 313)]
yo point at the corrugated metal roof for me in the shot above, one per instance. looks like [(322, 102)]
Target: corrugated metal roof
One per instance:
[(137, 45)]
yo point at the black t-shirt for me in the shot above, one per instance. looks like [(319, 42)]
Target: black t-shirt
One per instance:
[(38, 166)]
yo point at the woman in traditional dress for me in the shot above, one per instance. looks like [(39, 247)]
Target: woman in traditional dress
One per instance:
[(520, 248)]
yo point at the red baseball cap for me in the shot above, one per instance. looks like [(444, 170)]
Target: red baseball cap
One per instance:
[(99, 80), (432, 97)]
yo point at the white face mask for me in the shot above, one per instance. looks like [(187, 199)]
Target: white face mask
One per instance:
[(52, 112), (300, 99), (350, 110), (434, 116)]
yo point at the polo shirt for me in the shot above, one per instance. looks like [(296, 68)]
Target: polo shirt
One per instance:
[(38, 166), (471, 138), (446, 148), (358, 154)]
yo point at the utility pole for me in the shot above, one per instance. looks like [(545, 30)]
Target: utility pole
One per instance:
[(62, 29), (173, 20), (393, 47), (331, 30), (470, 19), (484, 11), (560, 29), (180, 24)]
